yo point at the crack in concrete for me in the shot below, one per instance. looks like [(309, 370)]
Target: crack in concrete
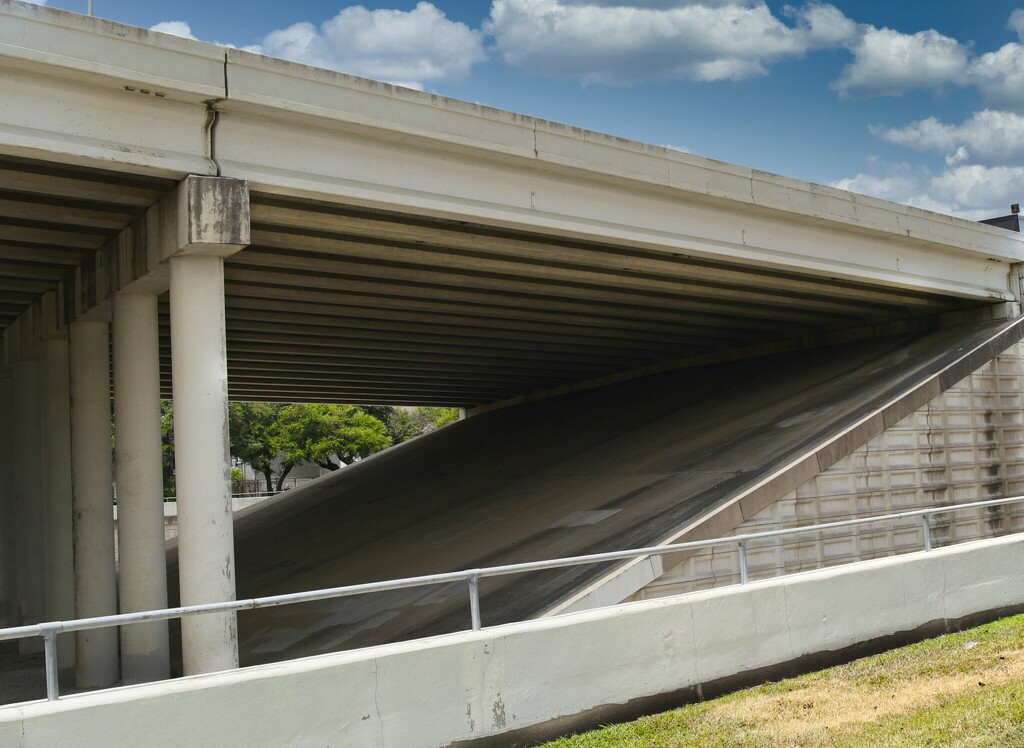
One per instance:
[(945, 609), (696, 657), (789, 623), (376, 702)]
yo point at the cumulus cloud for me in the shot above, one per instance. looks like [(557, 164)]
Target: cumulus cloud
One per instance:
[(959, 156), (409, 48), (620, 43), (175, 28), (991, 137), (970, 191), (984, 165), (1000, 76), (890, 63), (824, 26), (988, 189), (1016, 22), (898, 187)]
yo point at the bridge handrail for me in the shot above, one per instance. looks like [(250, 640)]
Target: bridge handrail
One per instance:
[(49, 630)]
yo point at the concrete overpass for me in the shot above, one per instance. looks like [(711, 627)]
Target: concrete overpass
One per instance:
[(258, 229)]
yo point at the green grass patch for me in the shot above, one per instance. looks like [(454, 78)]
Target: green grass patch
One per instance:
[(962, 689)]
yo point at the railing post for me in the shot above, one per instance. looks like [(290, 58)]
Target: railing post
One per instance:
[(744, 576), (50, 654), (926, 521), (474, 599)]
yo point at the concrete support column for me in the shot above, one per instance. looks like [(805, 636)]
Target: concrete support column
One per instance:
[(95, 585), (8, 533), (30, 545), (142, 580), (55, 417), (203, 480)]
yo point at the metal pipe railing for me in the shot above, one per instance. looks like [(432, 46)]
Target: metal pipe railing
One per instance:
[(472, 577)]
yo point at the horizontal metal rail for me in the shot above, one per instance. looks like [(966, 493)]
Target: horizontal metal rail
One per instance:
[(472, 577)]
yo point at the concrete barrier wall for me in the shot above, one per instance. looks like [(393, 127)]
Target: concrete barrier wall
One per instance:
[(523, 680)]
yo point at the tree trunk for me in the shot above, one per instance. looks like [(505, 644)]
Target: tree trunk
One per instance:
[(269, 475), (280, 478), (329, 465)]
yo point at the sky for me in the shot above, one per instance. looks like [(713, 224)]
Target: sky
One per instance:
[(917, 101)]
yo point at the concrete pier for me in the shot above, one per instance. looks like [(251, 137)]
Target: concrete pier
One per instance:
[(205, 535), (55, 419), (95, 583), (142, 581)]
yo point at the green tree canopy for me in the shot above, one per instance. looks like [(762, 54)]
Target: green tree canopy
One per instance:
[(275, 437), (404, 424), (319, 433), (272, 438), (255, 436)]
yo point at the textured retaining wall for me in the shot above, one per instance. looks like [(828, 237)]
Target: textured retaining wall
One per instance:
[(965, 445)]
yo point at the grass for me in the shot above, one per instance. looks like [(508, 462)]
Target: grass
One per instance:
[(963, 689)]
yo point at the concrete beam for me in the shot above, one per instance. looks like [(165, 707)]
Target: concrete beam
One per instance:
[(296, 131)]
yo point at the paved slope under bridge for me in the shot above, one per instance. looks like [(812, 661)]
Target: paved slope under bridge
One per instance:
[(644, 457)]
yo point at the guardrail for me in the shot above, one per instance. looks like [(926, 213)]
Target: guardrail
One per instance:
[(256, 495), (49, 631)]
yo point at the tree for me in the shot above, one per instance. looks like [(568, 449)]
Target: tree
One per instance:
[(404, 424), (321, 433), (272, 438), (255, 436), (167, 446)]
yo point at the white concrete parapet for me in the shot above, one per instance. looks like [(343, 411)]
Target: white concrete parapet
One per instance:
[(542, 675)]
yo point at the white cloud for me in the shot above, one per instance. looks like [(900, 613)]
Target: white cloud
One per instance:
[(175, 28), (980, 189), (628, 43), (1000, 76), (824, 25), (969, 191), (900, 182), (656, 4), (989, 136), (1016, 22), (890, 63), (408, 48), (959, 156)]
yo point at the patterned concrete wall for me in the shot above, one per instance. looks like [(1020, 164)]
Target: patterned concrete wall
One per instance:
[(965, 445)]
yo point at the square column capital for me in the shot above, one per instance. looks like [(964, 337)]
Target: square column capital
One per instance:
[(211, 217)]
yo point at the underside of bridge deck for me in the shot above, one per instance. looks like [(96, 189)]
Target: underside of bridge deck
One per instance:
[(338, 303)]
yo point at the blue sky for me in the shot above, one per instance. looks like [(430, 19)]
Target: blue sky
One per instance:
[(915, 101)]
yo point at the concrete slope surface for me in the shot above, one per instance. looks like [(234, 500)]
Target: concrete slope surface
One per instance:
[(598, 470)]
